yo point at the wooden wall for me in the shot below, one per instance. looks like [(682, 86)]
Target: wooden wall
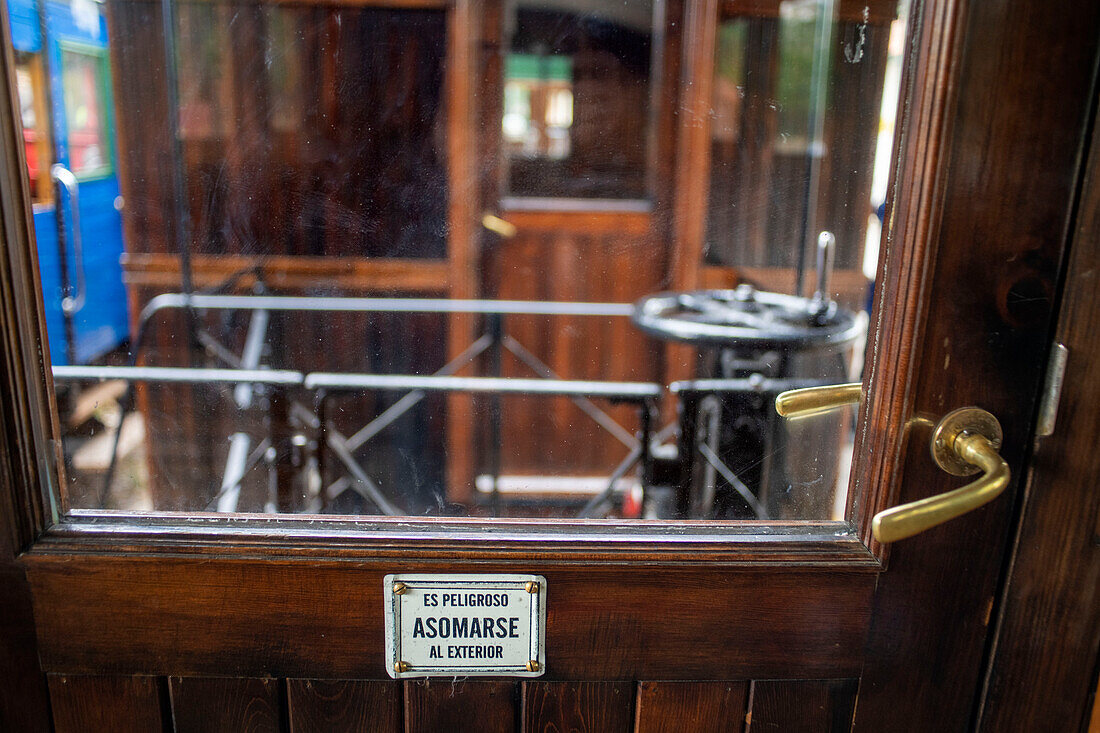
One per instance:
[(210, 705), (311, 131)]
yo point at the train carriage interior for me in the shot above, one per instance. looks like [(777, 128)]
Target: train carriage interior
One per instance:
[(292, 263)]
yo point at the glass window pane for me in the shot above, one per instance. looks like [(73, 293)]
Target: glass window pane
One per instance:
[(85, 112), (578, 82), (345, 268)]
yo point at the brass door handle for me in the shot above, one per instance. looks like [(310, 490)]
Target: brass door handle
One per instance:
[(814, 400), (500, 227), (964, 442)]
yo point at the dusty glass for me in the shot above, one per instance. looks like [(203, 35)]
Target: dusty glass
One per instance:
[(539, 259)]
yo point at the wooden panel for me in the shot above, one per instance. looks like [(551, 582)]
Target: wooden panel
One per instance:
[(740, 222), (274, 157), (96, 703), (568, 216), (24, 704), (693, 140), (802, 706), (555, 256), (354, 274), (692, 171), (701, 707), (320, 706), (232, 705), (1094, 720), (577, 707), (469, 706), (462, 235), (1048, 635), (971, 329), (603, 623)]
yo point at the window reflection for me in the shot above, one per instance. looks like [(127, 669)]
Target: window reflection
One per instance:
[(538, 106), (84, 82), (577, 96), (298, 209)]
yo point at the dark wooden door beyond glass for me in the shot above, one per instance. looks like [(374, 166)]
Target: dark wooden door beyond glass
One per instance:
[(163, 621)]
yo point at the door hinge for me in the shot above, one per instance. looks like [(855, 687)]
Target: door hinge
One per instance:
[(1052, 390)]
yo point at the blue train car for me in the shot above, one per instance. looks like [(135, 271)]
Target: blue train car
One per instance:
[(64, 84)]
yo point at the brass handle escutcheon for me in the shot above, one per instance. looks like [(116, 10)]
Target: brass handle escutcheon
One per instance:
[(964, 442)]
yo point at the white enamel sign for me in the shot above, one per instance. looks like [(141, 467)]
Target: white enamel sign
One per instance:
[(465, 625)]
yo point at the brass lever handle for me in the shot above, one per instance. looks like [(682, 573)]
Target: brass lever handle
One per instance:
[(964, 442), (813, 400), (501, 227)]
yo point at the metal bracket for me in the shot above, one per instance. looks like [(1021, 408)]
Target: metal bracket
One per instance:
[(1052, 391)]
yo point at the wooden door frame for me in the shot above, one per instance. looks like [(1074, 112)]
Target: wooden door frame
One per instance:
[(1045, 649), (85, 576)]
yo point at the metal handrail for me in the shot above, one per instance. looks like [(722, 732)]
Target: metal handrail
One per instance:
[(633, 391), (336, 304), (178, 375), (579, 391)]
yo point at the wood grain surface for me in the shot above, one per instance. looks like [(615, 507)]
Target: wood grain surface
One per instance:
[(624, 624), (1001, 154), (319, 706), (103, 703), (802, 706), (226, 704), (462, 706), (583, 707), (702, 707), (1048, 633)]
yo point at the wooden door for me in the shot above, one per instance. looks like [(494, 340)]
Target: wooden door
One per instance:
[(590, 218), (253, 623)]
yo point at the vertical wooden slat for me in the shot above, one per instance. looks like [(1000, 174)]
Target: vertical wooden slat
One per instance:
[(100, 703), (701, 707), (1094, 722), (475, 706), (794, 706), (692, 173), (353, 705), (24, 698), (462, 240), (693, 153), (212, 704), (577, 706)]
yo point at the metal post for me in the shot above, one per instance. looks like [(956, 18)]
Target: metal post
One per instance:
[(689, 415), (280, 435), (320, 443), (67, 315), (494, 329), (819, 76), (647, 407)]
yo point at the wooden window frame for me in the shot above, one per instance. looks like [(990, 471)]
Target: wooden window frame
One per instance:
[(809, 544)]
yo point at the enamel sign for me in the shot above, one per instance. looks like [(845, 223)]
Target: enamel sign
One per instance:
[(465, 625)]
